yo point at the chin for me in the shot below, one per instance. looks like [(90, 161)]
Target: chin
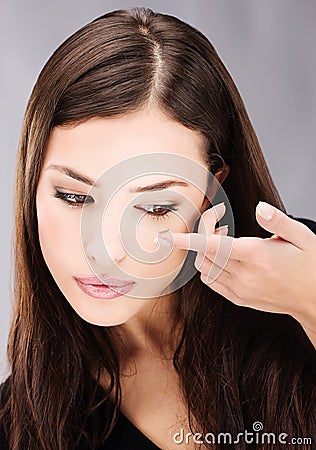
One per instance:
[(102, 322), (104, 318), (105, 322)]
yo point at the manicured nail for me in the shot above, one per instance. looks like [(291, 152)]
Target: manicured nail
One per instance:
[(165, 238), (222, 230), (220, 210), (265, 210)]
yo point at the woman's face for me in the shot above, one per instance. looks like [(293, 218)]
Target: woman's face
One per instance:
[(105, 150)]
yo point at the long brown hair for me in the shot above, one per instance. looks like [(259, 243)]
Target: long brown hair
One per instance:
[(237, 365)]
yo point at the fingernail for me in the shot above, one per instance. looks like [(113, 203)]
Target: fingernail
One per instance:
[(265, 210), (220, 209), (222, 230), (165, 238)]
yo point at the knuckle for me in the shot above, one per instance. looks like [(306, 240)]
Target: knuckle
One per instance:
[(239, 292)]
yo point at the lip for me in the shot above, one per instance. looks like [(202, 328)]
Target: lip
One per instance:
[(105, 287)]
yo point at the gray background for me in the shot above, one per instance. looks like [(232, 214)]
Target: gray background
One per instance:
[(267, 45)]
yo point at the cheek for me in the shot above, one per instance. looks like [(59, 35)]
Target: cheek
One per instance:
[(59, 234), (147, 231), (148, 228)]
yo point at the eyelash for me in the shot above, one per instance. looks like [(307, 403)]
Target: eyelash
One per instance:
[(64, 196), (163, 214), (164, 210)]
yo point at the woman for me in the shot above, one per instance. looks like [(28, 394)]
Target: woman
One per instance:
[(128, 85)]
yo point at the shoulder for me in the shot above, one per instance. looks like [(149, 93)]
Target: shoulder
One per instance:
[(311, 224), (5, 389), (4, 394)]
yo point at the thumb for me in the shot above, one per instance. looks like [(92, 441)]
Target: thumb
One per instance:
[(275, 221)]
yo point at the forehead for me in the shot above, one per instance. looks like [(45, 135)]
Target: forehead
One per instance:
[(100, 143)]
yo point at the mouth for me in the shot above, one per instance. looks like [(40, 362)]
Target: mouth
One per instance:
[(104, 287)]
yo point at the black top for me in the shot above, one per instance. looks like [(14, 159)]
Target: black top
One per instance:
[(124, 435)]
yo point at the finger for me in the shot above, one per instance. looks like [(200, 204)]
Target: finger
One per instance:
[(198, 242), (277, 222), (224, 291), (210, 217), (233, 267), (216, 246), (222, 230), (211, 270)]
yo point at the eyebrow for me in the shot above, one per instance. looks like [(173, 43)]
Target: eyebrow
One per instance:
[(72, 173), (159, 186), (86, 180)]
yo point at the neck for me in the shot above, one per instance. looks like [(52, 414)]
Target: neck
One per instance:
[(151, 331)]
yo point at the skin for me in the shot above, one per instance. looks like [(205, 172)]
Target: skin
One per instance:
[(139, 133)]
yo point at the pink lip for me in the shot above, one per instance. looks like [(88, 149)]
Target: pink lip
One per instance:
[(104, 288)]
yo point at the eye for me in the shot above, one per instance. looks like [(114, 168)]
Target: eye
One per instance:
[(157, 211), (71, 199)]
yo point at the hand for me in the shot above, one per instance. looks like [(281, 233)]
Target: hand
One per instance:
[(276, 274)]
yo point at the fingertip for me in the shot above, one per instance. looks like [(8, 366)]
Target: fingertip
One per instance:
[(265, 210), (165, 238), (223, 230)]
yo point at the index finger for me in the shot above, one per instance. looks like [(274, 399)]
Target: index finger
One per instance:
[(241, 249), (198, 242)]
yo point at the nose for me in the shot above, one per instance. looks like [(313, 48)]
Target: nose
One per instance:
[(106, 247), (100, 253)]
